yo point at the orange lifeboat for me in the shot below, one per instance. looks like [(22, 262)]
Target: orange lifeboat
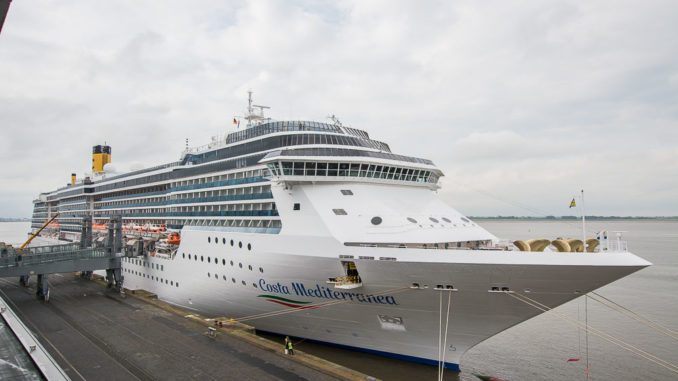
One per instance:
[(174, 239)]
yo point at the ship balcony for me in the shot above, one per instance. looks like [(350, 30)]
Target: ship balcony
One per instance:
[(347, 282)]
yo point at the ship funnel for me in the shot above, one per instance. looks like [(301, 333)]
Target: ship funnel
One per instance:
[(101, 155), (72, 178)]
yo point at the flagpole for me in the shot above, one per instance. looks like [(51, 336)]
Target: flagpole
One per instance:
[(583, 219)]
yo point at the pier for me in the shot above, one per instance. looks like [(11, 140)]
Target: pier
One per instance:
[(97, 333)]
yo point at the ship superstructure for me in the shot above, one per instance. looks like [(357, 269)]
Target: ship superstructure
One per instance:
[(320, 219)]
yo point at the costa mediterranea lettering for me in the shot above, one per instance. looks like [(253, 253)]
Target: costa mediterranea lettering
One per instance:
[(322, 292)]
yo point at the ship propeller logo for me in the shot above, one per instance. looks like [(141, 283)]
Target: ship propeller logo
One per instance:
[(287, 302)]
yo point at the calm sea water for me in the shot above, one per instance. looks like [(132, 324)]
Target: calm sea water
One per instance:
[(538, 349)]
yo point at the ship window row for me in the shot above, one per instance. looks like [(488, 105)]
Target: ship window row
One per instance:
[(462, 245), (268, 206), (199, 212), (273, 142), (78, 200), (151, 277), (223, 177), (236, 178), (211, 182), (191, 200), (309, 168), (237, 223), (180, 173), (273, 127), (233, 194), (337, 152)]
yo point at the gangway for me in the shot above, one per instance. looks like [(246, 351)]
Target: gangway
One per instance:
[(71, 257)]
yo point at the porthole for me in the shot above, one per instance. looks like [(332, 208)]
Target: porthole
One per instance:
[(412, 220), (233, 280), (231, 242), (209, 275), (171, 283), (223, 262), (240, 264), (177, 284), (240, 244), (465, 219), (183, 255), (446, 220), (223, 240), (254, 285), (261, 270), (209, 239), (433, 219), (216, 276), (243, 283), (195, 258), (216, 240), (208, 260), (165, 281), (231, 263), (224, 276), (250, 267), (202, 259), (376, 220)]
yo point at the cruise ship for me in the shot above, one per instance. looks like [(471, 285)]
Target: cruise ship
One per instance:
[(317, 231)]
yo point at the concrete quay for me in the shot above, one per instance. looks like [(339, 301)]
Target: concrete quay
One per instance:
[(96, 333)]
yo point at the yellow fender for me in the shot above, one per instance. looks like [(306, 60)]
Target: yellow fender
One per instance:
[(591, 244), (561, 245), (522, 245), (538, 244), (576, 245)]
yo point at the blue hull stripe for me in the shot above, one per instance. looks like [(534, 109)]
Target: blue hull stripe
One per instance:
[(398, 356)]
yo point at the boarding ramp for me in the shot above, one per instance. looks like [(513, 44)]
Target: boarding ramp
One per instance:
[(83, 257)]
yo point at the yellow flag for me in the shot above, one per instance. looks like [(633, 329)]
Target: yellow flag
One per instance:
[(572, 204)]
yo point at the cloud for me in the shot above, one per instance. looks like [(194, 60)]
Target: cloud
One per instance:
[(526, 100)]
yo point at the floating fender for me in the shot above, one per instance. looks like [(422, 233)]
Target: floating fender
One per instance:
[(538, 244), (561, 245), (591, 244), (522, 245), (576, 245)]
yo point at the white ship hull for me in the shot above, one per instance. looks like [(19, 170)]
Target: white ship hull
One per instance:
[(403, 323)]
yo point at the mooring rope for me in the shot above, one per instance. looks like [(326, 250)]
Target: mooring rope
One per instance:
[(603, 335), (447, 323), (440, 333), (637, 317)]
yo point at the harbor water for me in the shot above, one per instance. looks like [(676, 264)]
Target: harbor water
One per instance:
[(539, 348)]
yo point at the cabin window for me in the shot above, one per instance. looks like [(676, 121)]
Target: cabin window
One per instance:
[(376, 220), (339, 212), (347, 192), (297, 206)]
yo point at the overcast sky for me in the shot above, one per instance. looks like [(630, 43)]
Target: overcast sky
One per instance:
[(520, 103)]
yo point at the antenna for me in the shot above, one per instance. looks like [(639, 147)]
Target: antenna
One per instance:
[(251, 114), (336, 120)]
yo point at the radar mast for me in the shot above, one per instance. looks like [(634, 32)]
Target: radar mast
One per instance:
[(255, 113)]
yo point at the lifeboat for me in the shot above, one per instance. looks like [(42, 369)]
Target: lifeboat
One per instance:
[(174, 239)]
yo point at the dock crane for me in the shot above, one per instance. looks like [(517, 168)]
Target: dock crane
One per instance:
[(39, 230)]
